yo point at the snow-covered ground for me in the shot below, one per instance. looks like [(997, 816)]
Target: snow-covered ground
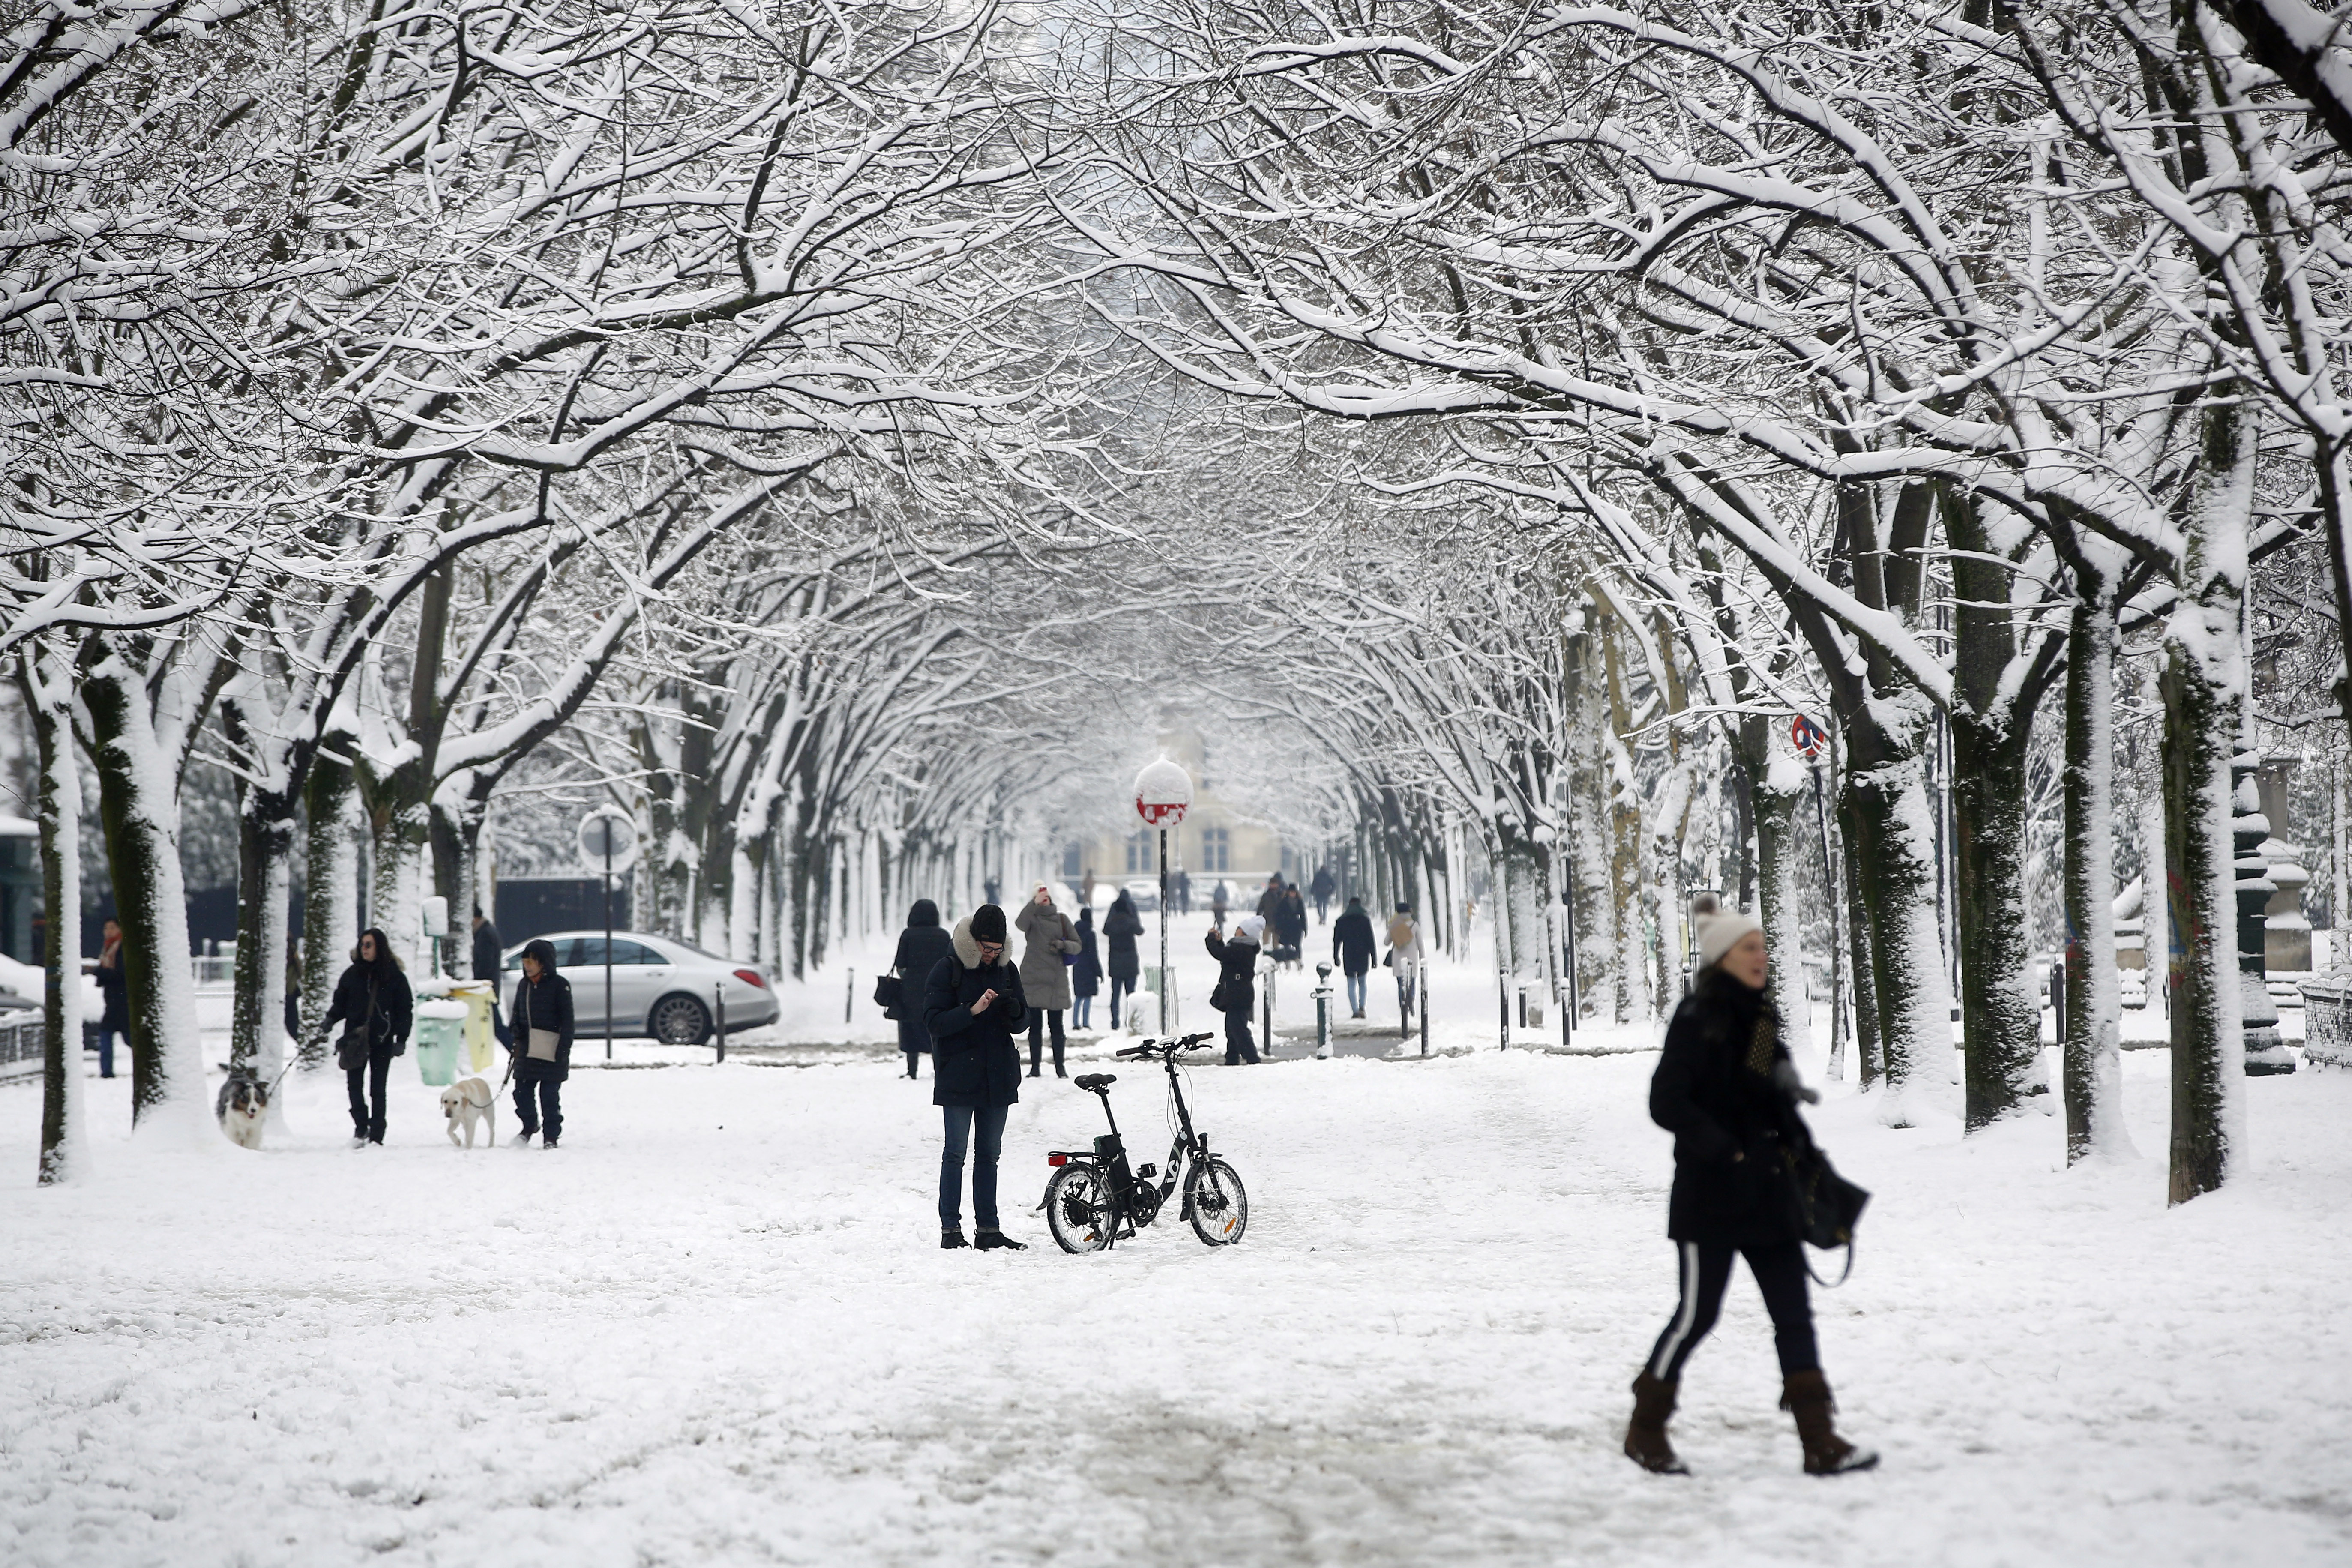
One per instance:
[(717, 1328)]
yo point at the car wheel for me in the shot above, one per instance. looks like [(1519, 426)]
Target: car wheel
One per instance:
[(680, 1020)]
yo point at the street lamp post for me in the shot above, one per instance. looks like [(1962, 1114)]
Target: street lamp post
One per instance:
[(1163, 792)]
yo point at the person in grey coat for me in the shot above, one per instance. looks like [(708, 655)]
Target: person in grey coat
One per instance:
[(1051, 941), (920, 947)]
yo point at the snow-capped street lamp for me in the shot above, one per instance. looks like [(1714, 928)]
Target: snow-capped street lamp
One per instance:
[(1163, 792)]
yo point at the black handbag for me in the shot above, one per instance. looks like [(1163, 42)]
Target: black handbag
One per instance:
[(1217, 997), (889, 992), (1828, 1206)]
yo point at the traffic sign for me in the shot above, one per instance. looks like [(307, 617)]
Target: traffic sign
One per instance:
[(1810, 737), (1163, 792), (608, 831)]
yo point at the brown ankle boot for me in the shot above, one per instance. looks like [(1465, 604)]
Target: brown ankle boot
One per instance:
[(1646, 1433), (1806, 1396)]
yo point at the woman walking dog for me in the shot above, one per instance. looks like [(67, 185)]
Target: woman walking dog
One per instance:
[(541, 1019), (1724, 1089), (372, 1002)]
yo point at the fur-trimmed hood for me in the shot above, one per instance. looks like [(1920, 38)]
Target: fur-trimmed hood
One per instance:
[(966, 951)]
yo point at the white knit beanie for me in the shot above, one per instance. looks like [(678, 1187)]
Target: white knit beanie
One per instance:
[(1250, 927), (1717, 933)]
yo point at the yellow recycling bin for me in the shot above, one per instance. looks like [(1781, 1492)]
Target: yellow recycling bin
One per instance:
[(481, 1042)]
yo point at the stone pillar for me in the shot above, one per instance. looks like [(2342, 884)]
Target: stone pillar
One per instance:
[(2286, 935), (2266, 1049)]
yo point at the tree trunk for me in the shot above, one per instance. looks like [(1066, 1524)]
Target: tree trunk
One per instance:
[(2204, 708), (265, 850), (1893, 849), (2092, 1030), (139, 811), (2000, 1016), (48, 698), (2155, 899), (1869, 1065), (330, 882), (1775, 795)]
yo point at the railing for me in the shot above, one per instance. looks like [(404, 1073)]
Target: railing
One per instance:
[(21, 1040)]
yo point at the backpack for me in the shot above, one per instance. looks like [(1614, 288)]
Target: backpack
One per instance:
[(1400, 932)]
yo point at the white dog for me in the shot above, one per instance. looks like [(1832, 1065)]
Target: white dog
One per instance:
[(243, 1101), (468, 1102)]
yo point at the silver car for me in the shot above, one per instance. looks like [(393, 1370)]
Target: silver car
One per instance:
[(663, 989)]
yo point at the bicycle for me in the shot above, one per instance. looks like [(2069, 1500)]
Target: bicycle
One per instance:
[(1093, 1201)]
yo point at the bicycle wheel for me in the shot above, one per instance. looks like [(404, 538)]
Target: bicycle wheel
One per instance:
[(1079, 1209), (1219, 1201)]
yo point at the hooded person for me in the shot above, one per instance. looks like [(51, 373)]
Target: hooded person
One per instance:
[(923, 946), (1121, 926), (1725, 1089), (1352, 947), (374, 1004), (1050, 942), (1087, 974), (1236, 991), (971, 1005), (540, 1020)]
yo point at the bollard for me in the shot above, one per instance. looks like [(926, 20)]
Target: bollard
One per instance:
[(719, 1011), (1322, 1012), (849, 999)]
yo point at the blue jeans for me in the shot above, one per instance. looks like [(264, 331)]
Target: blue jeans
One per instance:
[(106, 1052), (959, 1120), (1081, 1009), (1119, 988), (1355, 992)]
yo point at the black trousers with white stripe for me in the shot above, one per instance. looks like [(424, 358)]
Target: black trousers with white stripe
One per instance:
[(1706, 1271)]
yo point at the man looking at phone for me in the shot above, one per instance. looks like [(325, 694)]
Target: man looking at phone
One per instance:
[(972, 1003)]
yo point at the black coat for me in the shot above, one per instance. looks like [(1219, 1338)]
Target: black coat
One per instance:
[(1290, 919), (975, 1061), (1352, 944), (921, 950), (1707, 1091), (488, 952), (395, 1007), (547, 1000), (113, 990), (1121, 926), (1085, 974), (1236, 970)]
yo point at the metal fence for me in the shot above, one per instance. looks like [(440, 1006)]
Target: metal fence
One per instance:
[(20, 1045)]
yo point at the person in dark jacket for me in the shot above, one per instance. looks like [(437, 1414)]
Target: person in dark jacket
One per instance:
[(489, 955), (1323, 887), (1085, 974), (1725, 1088), (1182, 886), (1121, 926), (921, 948), (1352, 946), (1238, 981), (542, 1049), (1290, 923), (972, 1003), (372, 1002), (113, 990)]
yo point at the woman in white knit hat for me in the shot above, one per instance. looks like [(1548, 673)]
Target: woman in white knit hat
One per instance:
[(1236, 991), (1725, 1088)]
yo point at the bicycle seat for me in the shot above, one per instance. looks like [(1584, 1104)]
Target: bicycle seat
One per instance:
[(1094, 1083)]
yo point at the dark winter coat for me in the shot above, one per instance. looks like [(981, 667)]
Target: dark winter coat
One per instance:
[(1085, 974), (1121, 926), (921, 948), (975, 1061), (488, 952), (1714, 1092), (1236, 970), (1050, 940), (547, 1000), (1323, 887), (395, 1006), (1290, 919), (113, 990), (1352, 944)]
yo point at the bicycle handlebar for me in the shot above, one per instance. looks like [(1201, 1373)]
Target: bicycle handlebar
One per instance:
[(1166, 1047)]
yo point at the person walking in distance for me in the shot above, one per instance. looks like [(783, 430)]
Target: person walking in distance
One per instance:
[(1183, 888), (971, 1005), (922, 947), (113, 992), (1323, 887), (1290, 925), (1351, 949), (489, 960), (1220, 900), (1236, 991), (542, 1043), (1405, 958), (1725, 1089), (1049, 943), (374, 1004), (1085, 974), (1121, 926), (1271, 899)]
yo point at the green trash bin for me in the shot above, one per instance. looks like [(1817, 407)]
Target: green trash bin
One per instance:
[(440, 1030)]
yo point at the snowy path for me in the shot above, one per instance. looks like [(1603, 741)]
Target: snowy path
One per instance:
[(716, 1329)]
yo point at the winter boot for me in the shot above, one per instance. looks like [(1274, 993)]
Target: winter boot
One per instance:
[(1646, 1433), (953, 1237), (989, 1241), (1806, 1396)]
